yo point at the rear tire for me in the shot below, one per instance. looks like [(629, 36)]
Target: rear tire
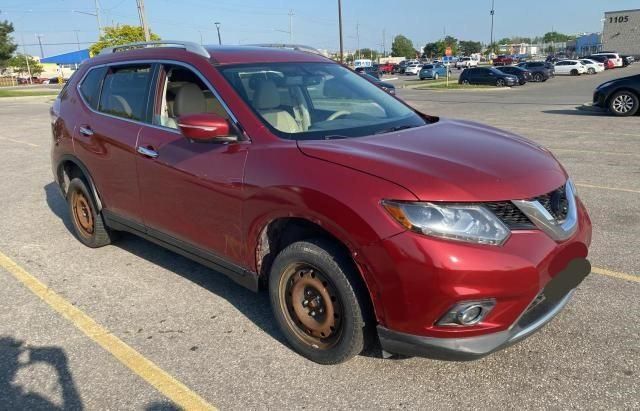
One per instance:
[(500, 82), (575, 72), (465, 82), (624, 103), (435, 76), (319, 301), (538, 77), (88, 225), (591, 70)]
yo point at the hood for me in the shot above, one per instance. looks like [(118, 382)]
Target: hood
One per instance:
[(449, 161)]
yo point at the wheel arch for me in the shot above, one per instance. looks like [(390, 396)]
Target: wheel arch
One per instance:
[(69, 167)]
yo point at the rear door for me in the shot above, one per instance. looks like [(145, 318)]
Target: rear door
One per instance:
[(115, 106), (191, 191)]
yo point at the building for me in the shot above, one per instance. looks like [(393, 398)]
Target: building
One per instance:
[(621, 32), (588, 44), (64, 64)]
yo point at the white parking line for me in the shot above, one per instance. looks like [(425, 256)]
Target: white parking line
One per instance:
[(19, 142)]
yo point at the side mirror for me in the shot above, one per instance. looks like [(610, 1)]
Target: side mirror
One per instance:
[(205, 127)]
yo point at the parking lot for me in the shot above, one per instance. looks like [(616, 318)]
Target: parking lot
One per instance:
[(196, 338)]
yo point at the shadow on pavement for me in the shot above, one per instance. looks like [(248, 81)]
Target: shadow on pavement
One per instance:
[(255, 307), (578, 112), (16, 355)]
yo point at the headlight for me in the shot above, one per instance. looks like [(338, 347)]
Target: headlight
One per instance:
[(471, 223)]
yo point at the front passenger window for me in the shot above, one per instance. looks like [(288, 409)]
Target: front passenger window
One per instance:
[(125, 92)]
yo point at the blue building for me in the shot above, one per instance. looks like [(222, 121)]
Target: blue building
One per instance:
[(68, 60), (588, 44)]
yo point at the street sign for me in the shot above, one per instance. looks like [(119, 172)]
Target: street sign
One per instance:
[(447, 51)]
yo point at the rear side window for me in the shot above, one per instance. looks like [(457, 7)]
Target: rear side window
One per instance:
[(90, 87), (125, 92)]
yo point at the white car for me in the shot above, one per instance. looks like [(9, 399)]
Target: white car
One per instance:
[(466, 62), (413, 68), (570, 67), (615, 57), (592, 66)]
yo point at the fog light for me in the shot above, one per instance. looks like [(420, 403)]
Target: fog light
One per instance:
[(470, 315), (467, 313)]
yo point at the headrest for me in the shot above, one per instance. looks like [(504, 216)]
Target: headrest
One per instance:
[(266, 96), (189, 100)]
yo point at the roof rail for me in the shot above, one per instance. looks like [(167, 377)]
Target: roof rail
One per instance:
[(186, 45), (298, 47)]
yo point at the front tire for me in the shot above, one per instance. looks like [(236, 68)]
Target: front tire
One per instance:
[(435, 76), (319, 301), (575, 72), (591, 70), (88, 225), (624, 103), (500, 83), (538, 77)]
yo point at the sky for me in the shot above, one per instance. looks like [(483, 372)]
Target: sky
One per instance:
[(314, 23)]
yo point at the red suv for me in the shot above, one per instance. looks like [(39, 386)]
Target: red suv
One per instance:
[(364, 219)]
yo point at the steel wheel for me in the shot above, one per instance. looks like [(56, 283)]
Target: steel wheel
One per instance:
[(311, 305), (82, 214)]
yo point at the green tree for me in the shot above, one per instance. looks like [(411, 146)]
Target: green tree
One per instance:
[(493, 48), (367, 53), (469, 47), (7, 46), (402, 47), (19, 64), (118, 35), (504, 40), (452, 42), (555, 37), (430, 50)]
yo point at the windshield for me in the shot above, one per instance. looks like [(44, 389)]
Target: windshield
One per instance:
[(310, 101), (427, 66)]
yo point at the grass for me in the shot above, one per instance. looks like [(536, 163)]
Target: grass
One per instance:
[(25, 93)]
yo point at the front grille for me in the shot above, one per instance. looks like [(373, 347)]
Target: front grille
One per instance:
[(556, 203), (510, 215)]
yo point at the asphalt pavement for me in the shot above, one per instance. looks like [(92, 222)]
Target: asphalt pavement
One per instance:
[(220, 342)]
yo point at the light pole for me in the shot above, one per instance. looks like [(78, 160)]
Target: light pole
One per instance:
[(340, 29), (217, 23), (492, 12), (39, 36)]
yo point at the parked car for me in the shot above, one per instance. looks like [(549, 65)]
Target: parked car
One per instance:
[(540, 71), (386, 68), (593, 67), (413, 69), (608, 64), (503, 60), (361, 216), (614, 57), (488, 76), (522, 74), (396, 69), (619, 96), (372, 71), (466, 62), (570, 67), (432, 71), (627, 60), (402, 66), (385, 85)]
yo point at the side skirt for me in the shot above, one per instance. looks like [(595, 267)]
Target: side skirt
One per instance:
[(238, 274)]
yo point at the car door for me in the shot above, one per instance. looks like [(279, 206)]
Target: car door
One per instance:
[(485, 76), (191, 192), (108, 128)]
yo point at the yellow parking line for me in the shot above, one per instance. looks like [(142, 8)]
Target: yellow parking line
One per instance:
[(627, 190), (615, 274), (173, 389), (19, 142)]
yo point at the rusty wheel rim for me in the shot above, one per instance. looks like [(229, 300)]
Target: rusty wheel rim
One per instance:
[(311, 305), (82, 214)]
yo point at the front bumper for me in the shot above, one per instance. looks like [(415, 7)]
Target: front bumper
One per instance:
[(536, 316)]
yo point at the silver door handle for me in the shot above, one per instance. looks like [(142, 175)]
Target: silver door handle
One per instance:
[(147, 152), (86, 131)]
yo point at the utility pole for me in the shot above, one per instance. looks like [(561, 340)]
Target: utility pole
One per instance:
[(492, 12), (77, 39), (358, 39), (97, 3), (39, 36), (291, 26), (200, 31), (26, 59), (217, 23), (340, 29), (384, 43), (143, 20)]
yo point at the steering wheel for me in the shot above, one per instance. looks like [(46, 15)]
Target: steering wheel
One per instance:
[(337, 114)]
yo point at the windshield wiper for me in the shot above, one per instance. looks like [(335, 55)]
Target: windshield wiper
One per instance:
[(392, 129)]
